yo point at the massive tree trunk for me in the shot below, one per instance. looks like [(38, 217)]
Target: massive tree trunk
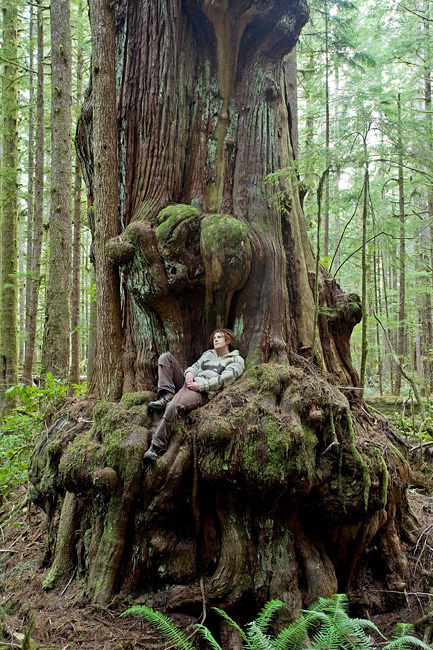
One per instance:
[(283, 485), (203, 122)]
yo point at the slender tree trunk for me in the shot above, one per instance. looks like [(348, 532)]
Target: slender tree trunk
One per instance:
[(327, 137), (402, 254), (109, 375), (31, 175), (56, 343), (377, 301), (76, 263), (9, 203), (427, 309), (385, 281), (34, 280), (21, 303), (91, 328), (336, 173), (364, 347)]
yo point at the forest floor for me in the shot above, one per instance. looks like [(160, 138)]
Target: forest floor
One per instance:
[(61, 619)]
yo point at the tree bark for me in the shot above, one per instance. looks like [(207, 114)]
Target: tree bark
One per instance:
[(9, 207), (109, 376), (56, 343), (30, 184), (222, 129), (34, 280), (402, 254), (74, 376)]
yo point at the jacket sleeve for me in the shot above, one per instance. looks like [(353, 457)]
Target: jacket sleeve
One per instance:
[(228, 376), (196, 367)]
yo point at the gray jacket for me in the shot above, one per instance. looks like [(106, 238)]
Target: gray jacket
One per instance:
[(213, 373)]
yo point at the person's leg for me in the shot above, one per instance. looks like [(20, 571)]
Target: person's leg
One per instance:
[(185, 400), (170, 374), (170, 380)]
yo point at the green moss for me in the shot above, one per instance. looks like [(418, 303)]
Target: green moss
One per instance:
[(84, 452), (121, 451), (385, 476), (230, 233), (137, 235), (265, 377), (136, 399), (99, 410), (216, 428), (363, 465), (172, 215), (274, 450), (238, 327)]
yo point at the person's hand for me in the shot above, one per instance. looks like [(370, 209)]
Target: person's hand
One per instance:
[(194, 385), (189, 379)]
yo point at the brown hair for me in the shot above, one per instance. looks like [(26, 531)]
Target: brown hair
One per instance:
[(228, 335)]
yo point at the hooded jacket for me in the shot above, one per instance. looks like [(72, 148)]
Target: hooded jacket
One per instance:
[(212, 373)]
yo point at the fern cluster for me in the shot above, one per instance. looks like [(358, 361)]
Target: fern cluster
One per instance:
[(325, 626)]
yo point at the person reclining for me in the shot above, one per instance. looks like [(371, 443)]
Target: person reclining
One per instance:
[(181, 391)]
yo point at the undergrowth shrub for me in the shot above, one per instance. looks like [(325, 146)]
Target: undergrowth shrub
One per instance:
[(325, 626), (21, 427)]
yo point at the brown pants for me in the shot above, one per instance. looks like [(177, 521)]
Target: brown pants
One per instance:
[(171, 379)]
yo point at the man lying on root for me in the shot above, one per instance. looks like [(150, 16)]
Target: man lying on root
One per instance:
[(180, 392)]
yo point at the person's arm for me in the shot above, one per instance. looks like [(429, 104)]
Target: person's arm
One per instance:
[(195, 368), (228, 376)]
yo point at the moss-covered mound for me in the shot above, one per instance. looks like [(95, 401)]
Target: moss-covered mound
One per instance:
[(281, 486)]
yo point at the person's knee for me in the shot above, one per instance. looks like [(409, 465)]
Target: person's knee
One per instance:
[(165, 358), (170, 411)]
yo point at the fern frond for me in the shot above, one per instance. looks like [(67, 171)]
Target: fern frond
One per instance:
[(207, 635), (293, 636), (267, 613), (331, 606), (406, 642), (164, 624), (369, 625), (231, 622), (257, 639)]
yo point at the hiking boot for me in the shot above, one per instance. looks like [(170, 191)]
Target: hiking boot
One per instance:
[(160, 403), (153, 453)]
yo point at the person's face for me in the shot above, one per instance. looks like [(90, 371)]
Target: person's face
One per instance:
[(219, 341)]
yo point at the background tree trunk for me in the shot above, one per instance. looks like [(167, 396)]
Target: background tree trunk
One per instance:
[(56, 343), (402, 253), (108, 360), (34, 280), (9, 203), (76, 247), (30, 185)]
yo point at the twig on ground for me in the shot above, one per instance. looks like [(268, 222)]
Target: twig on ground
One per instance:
[(8, 516), (69, 582)]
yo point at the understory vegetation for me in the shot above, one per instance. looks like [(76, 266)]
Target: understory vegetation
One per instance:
[(324, 626), (22, 426)]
